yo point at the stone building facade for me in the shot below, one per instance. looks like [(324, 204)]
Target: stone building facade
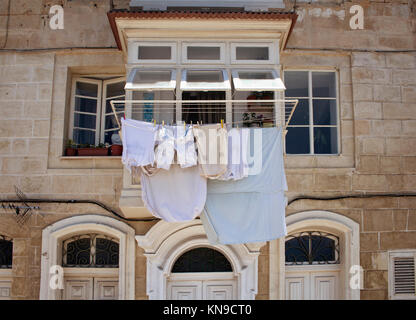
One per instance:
[(363, 192)]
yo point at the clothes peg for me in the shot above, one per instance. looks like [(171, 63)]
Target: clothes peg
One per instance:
[(163, 122), (222, 123), (154, 122), (184, 125)]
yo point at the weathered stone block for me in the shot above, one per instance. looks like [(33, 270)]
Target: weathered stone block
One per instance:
[(378, 220), (369, 241), (397, 240)]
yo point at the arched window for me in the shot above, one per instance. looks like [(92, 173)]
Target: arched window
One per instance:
[(6, 252), (202, 260), (312, 247), (90, 251)]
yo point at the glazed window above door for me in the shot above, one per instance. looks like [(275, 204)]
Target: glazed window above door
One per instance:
[(92, 119), (314, 127), (6, 252)]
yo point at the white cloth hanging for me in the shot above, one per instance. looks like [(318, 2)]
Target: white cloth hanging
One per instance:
[(212, 145), (138, 143), (175, 195), (237, 167), (251, 209)]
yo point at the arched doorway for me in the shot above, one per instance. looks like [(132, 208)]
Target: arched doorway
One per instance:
[(95, 254), (182, 264), (314, 261), (202, 274)]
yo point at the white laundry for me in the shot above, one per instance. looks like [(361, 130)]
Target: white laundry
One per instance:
[(138, 143), (212, 144), (175, 138), (237, 167), (165, 150), (175, 195), (185, 147)]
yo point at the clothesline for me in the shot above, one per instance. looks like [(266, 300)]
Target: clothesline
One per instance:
[(287, 114)]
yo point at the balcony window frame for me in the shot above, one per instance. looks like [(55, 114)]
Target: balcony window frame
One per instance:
[(186, 45), (272, 47)]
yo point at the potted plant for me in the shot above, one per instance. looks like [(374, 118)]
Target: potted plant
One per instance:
[(71, 148), (88, 150)]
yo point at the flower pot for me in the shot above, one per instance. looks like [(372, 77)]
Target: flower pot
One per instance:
[(92, 152), (70, 152), (116, 150)]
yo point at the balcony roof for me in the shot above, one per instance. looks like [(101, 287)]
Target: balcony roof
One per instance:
[(116, 16)]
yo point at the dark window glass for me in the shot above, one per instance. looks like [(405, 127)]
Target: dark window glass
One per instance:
[(115, 89), (106, 252), (85, 105), (325, 140), (78, 252), (324, 112), (301, 114), (92, 251), (203, 112), (84, 120), (203, 53), (6, 253), (323, 84), (312, 248), (154, 52), (297, 140), (252, 53), (296, 83), (86, 89), (83, 136), (202, 260)]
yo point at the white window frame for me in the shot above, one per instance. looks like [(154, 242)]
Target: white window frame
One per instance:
[(101, 105), (186, 45), (399, 254), (134, 52), (273, 52), (159, 86), (259, 84), (311, 126), (206, 86)]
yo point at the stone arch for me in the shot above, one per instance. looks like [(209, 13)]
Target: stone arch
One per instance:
[(165, 242), (318, 220), (53, 235)]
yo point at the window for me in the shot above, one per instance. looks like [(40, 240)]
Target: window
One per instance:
[(152, 80), (6, 252), (93, 120), (203, 52), (202, 260), (253, 53), (204, 85), (91, 251), (312, 247), (402, 277), (152, 52), (313, 128), (258, 80)]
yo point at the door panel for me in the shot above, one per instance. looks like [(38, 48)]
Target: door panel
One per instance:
[(184, 290), (5, 289), (78, 289), (324, 287), (219, 290), (312, 285), (105, 289), (297, 287)]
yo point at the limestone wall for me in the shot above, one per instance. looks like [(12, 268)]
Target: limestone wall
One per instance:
[(377, 118)]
